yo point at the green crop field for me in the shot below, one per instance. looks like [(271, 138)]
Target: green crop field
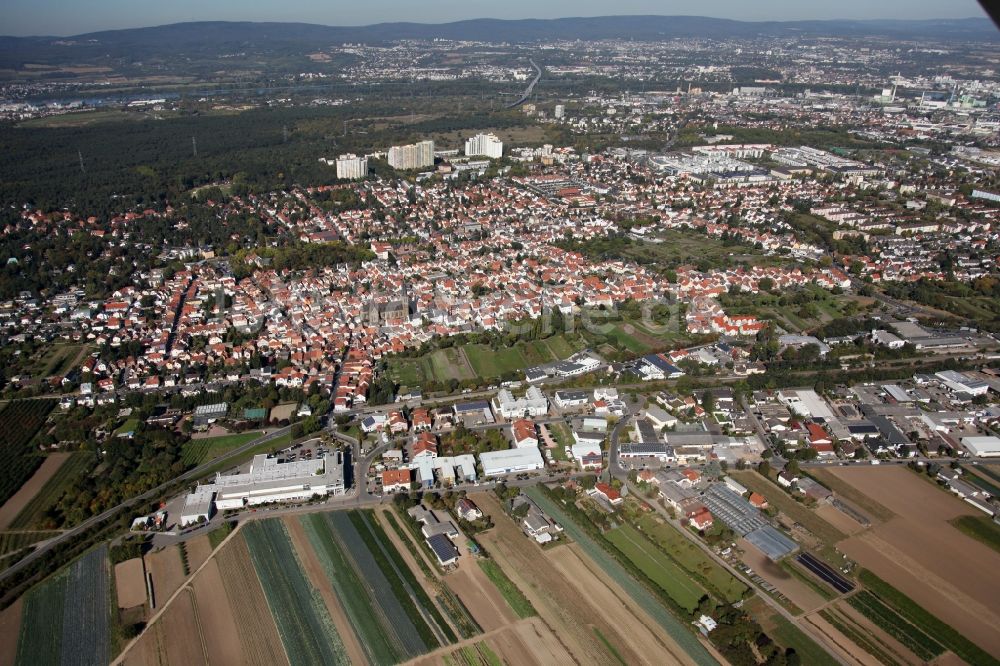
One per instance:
[(34, 513), (658, 567), (510, 592), (394, 618), (890, 621), (357, 597), (474, 361), (49, 635), (979, 528), (930, 625), (305, 626), (489, 363), (198, 451), (265, 447), (19, 421), (692, 558), (406, 371)]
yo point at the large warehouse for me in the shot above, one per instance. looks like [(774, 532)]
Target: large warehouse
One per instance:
[(984, 447), (510, 461), (270, 479)]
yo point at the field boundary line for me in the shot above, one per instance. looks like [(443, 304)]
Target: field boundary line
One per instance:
[(163, 608)]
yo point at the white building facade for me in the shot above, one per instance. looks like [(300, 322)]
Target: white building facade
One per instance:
[(352, 167), (413, 156), (487, 145)]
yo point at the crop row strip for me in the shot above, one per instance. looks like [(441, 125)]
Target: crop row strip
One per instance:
[(377, 637)]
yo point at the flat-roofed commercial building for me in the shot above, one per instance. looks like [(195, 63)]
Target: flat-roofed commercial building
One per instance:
[(270, 479), (510, 461)]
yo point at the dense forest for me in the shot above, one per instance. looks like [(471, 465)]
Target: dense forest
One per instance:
[(145, 160)]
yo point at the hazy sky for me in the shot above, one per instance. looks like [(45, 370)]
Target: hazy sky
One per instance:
[(72, 17)]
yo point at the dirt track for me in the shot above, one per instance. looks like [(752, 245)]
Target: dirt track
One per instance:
[(528, 641), (575, 600), (15, 505), (942, 569)]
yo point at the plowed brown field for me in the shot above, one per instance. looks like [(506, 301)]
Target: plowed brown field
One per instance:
[(950, 574), (130, 583), (258, 633)]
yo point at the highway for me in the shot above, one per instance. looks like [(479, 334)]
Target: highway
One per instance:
[(531, 87)]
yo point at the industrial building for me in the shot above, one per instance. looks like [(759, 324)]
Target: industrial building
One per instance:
[(961, 383), (270, 479), (510, 461), (984, 447)]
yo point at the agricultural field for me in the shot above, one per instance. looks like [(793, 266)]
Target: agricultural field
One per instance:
[(915, 552), (513, 596), (471, 602), (866, 636), (886, 619), (441, 365), (785, 633), (68, 618), (726, 586), (197, 451), (658, 567), (19, 421), (390, 612), (55, 360), (26, 493), (305, 626), (922, 622), (580, 584), (980, 528), (34, 513)]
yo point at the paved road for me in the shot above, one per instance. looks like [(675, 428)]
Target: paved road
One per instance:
[(531, 86), (192, 474)]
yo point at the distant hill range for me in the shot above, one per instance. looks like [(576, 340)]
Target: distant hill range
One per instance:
[(221, 35)]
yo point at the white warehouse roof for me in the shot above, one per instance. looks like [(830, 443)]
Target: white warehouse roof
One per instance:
[(982, 446), (496, 463)]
